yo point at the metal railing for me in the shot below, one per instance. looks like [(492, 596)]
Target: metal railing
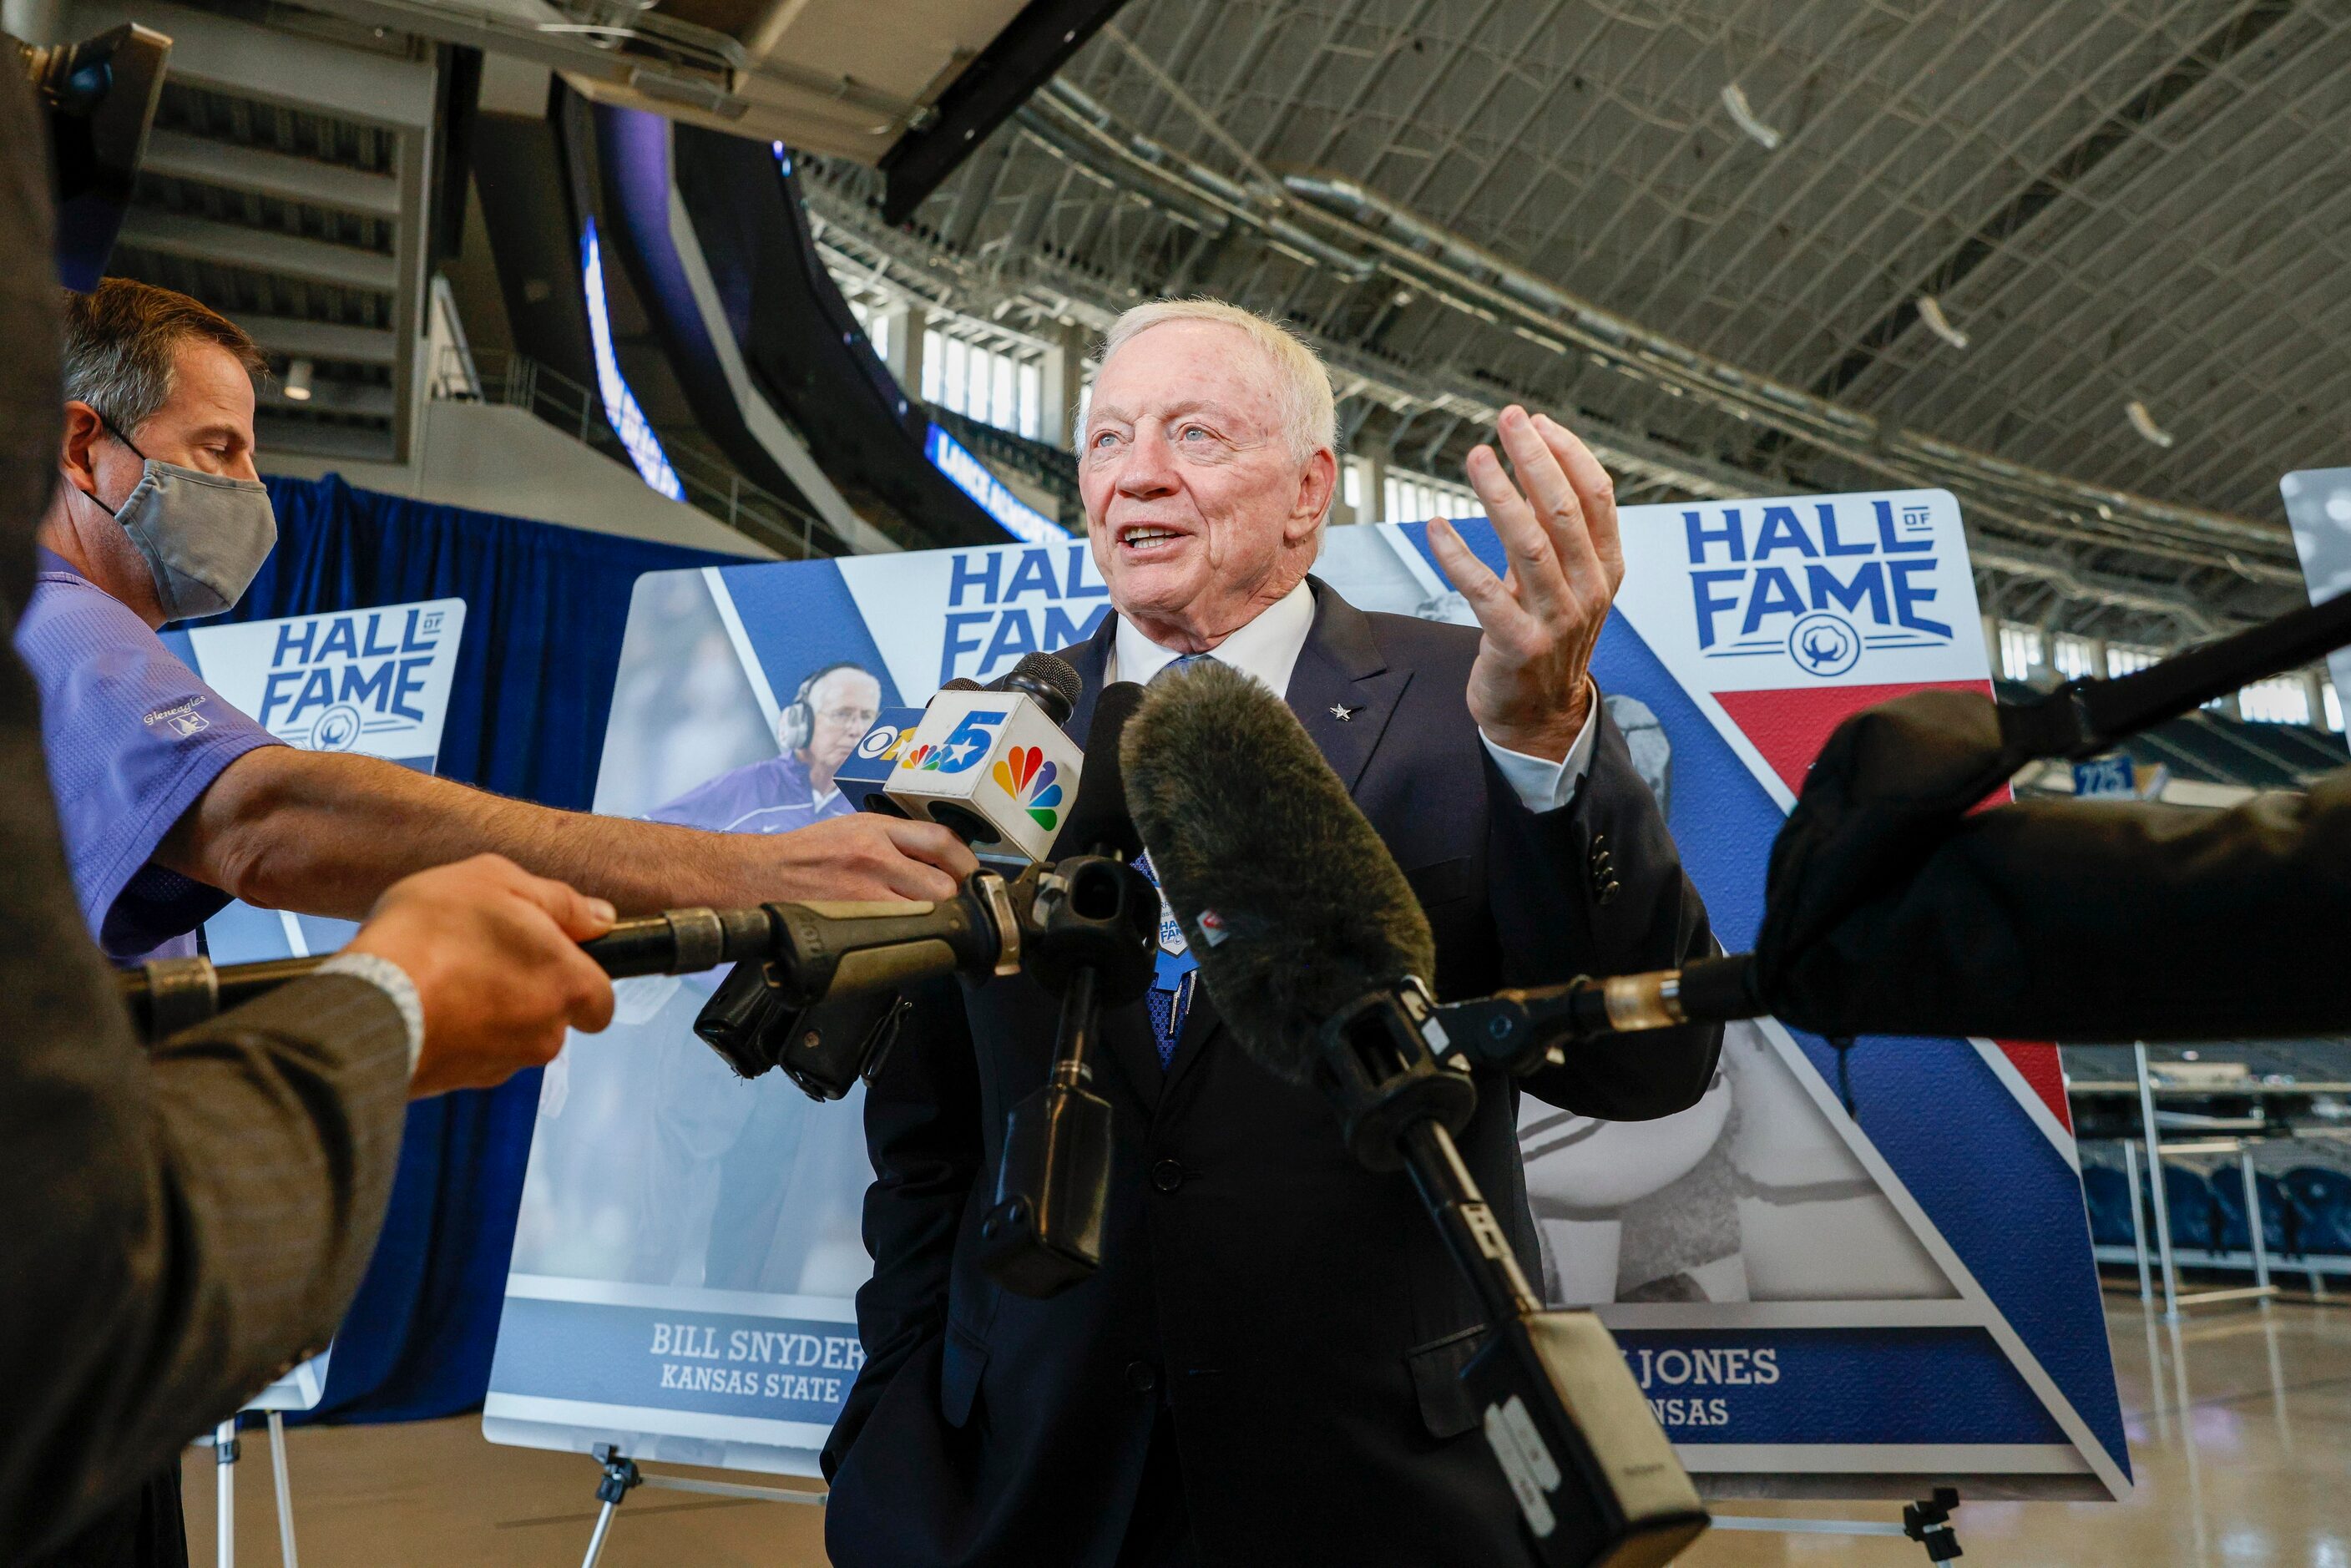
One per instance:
[(712, 485)]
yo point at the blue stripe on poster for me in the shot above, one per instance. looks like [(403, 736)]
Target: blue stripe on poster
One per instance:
[(1834, 1386), (797, 622), (669, 1358)]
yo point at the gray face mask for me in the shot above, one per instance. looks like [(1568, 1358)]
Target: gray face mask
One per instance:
[(203, 535)]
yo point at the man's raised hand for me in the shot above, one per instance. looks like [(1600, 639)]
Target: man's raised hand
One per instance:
[(1530, 689)]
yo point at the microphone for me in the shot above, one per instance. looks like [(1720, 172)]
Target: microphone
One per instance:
[(1100, 822), (166, 995), (1093, 943), (993, 765), (862, 777), (1284, 883), (1317, 956), (797, 1008), (813, 991)]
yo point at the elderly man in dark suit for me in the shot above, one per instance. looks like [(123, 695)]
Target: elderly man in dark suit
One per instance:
[(1262, 1372)]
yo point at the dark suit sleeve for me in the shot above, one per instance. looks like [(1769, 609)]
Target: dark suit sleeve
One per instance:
[(188, 1223), (1597, 888), (922, 1134), (183, 1225)]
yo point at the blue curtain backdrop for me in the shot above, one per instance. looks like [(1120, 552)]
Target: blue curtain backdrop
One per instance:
[(545, 608)]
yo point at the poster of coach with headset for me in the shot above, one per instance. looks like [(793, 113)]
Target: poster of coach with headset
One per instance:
[(836, 704)]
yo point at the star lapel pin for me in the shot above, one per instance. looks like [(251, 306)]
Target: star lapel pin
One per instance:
[(1341, 712)]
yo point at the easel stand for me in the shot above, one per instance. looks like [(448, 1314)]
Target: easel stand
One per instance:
[(227, 1450), (622, 1476), (2174, 1300), (1928, 1523)]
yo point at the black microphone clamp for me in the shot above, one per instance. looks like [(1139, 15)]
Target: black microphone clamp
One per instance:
[(1091, 940), (1380, 1069), (1523, 1031), (822, 1002)]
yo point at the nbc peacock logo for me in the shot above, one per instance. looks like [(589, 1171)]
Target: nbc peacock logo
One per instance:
[(1027, 777)]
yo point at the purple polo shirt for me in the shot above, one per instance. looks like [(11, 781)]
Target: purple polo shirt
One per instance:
[(133, 736), (773, 796)]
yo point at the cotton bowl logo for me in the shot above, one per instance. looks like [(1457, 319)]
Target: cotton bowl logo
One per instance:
[(338, 728), (1823, 644), (1027, 777)]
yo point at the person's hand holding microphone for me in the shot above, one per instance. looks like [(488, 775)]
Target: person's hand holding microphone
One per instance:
[(494, 953)]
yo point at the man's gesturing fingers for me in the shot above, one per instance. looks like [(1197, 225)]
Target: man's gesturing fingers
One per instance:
[(1533, 552), (1558, 502), (1596, 493), (1490, 600)]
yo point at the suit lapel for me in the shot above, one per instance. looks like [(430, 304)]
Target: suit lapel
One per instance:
[(1341, 667), (1090, 659), (1341, 670)]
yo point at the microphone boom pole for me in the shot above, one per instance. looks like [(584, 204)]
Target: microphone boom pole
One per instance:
[(1595, 1476)]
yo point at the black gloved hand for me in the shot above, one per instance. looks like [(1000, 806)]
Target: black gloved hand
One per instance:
[(1889, 785)]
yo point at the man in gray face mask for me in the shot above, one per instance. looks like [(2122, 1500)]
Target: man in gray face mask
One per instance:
[(173, 802)]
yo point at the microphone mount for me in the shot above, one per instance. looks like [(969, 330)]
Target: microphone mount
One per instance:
[(1523, 1031), (1094, 924), (1594, 1477)]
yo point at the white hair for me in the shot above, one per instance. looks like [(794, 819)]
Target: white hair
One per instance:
[(1310, 416)]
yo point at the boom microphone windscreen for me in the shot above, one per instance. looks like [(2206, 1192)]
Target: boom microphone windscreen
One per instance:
[(1099, 818), (1288, 896)]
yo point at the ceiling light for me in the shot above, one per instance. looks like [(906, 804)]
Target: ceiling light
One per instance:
[(1734, 99), (1930, 311), (298, 381), (2144, 422)]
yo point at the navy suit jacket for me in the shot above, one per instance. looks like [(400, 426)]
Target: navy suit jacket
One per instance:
[(1296, 1314)]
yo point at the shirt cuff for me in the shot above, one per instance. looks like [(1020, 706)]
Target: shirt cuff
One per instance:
[(1541, 784), (393, 982)]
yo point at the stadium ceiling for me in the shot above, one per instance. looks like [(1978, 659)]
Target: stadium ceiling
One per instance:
[(2080, 261), (912, 88)]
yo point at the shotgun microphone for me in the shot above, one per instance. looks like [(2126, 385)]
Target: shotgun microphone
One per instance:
[(1316, 955)]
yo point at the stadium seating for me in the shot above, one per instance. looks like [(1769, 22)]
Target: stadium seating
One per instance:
[(2278, 1219), (2321, 1200), (2106, 1192), (2188, 1199)]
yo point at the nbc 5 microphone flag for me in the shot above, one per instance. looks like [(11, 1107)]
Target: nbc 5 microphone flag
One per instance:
[(988, 761)]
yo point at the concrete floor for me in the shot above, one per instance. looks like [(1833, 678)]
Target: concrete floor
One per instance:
[(2239, 1424)]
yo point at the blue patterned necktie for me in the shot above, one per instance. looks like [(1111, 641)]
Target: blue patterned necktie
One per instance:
[(1169, 1000)]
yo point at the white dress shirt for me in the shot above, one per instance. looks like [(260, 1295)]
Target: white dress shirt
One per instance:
[(1267, 649)]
